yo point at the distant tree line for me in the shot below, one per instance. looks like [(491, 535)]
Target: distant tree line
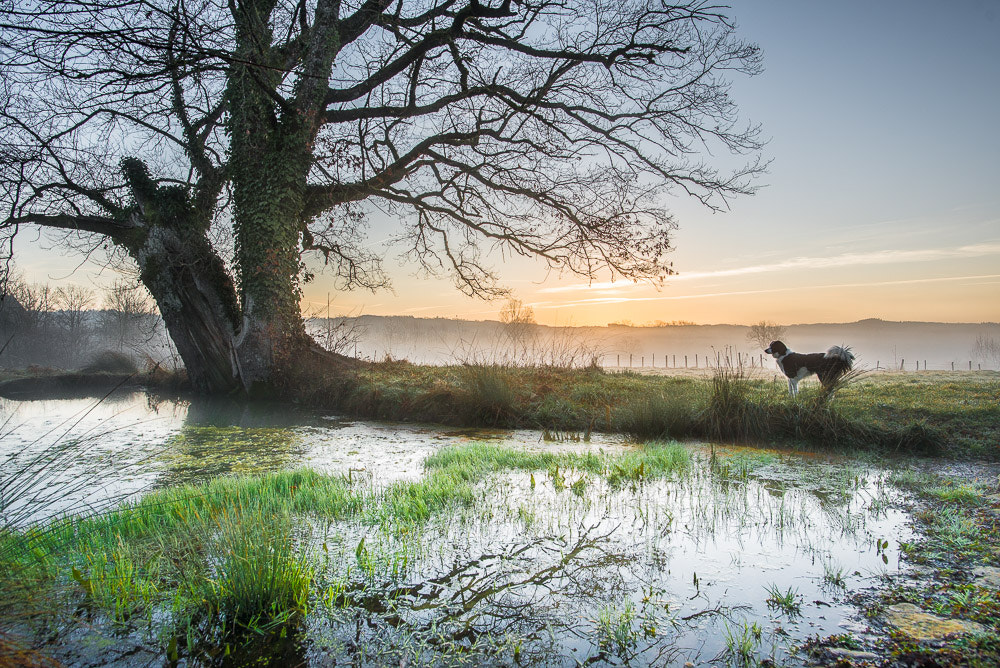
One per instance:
[(69, 326)]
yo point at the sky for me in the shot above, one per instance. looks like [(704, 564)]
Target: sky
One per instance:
[(882, 198)]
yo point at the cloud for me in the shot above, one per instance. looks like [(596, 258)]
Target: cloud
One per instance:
[(842, 260), (596, 301)]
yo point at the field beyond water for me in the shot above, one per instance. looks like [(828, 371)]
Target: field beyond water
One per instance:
[(733, 526), (933, 413)]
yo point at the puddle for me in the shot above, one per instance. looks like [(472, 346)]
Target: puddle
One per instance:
[(665, 572), (537, 571)]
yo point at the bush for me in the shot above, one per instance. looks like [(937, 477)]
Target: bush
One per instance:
[(111, 361)]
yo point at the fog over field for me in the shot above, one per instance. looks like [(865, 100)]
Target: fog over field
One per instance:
[(445, 341), (70, 338)]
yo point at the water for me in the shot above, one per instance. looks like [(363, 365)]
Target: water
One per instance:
[(87, 454), (536, 571), (665, 572)]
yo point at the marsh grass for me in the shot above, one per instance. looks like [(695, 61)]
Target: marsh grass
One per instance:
[(742, 643), (616, 629), (908, 414), (488, 394), (657, 416)]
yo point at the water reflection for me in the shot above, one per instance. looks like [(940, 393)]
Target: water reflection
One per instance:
[(664, 572)]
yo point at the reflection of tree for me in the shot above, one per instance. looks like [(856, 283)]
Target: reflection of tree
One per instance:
[(529, 591)]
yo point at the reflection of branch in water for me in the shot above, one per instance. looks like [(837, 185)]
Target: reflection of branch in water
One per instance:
[(476, 598), (724, 611)]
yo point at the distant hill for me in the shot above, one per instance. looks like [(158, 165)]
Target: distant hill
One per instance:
[(447, 341)]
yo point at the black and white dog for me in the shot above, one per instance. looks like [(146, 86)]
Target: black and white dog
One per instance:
[(827, 366)]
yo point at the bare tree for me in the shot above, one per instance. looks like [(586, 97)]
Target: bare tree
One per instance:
[(518, 322), (762, 333), (987, 349), (128, 312), (540, 128), (73, 302)]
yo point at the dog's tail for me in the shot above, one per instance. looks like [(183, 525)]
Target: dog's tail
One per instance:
[(840, 360)]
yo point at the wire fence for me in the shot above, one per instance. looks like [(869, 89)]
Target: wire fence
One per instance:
[(716, 359)]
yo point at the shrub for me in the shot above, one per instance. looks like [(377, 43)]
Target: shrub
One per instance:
[(111, 361)]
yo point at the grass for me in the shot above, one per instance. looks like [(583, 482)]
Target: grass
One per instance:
[(742, 643), (895, 413), (788, 601), (616, 629)]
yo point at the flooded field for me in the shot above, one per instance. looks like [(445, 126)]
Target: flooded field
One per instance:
[(439, 547), (88, 454)]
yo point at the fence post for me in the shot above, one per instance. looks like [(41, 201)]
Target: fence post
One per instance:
[(652, 360), (630, 360), (970, 365), (952, 366), (901, 363), (685, 361), (696, 360), (675, 361), (642, 362), (619, 362)]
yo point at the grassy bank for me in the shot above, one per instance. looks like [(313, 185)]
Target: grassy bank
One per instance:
[(898, 413)]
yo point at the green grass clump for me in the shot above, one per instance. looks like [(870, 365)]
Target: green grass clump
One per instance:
[(472, 461), (489, 395), (788, 601), (657, 416), (261, 578)]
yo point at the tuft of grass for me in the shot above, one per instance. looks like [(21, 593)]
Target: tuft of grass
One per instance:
[(788, 601), (656, 416), (735, 411), (260, 577), (489, 394), (616, 629), (834, 575), (742, 643)]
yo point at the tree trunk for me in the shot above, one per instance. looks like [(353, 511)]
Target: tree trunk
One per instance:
[(198, 303)]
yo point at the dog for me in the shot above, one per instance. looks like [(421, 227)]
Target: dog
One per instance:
[(828, 366)]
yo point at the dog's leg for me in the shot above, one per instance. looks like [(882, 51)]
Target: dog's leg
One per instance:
[(793, 386)]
